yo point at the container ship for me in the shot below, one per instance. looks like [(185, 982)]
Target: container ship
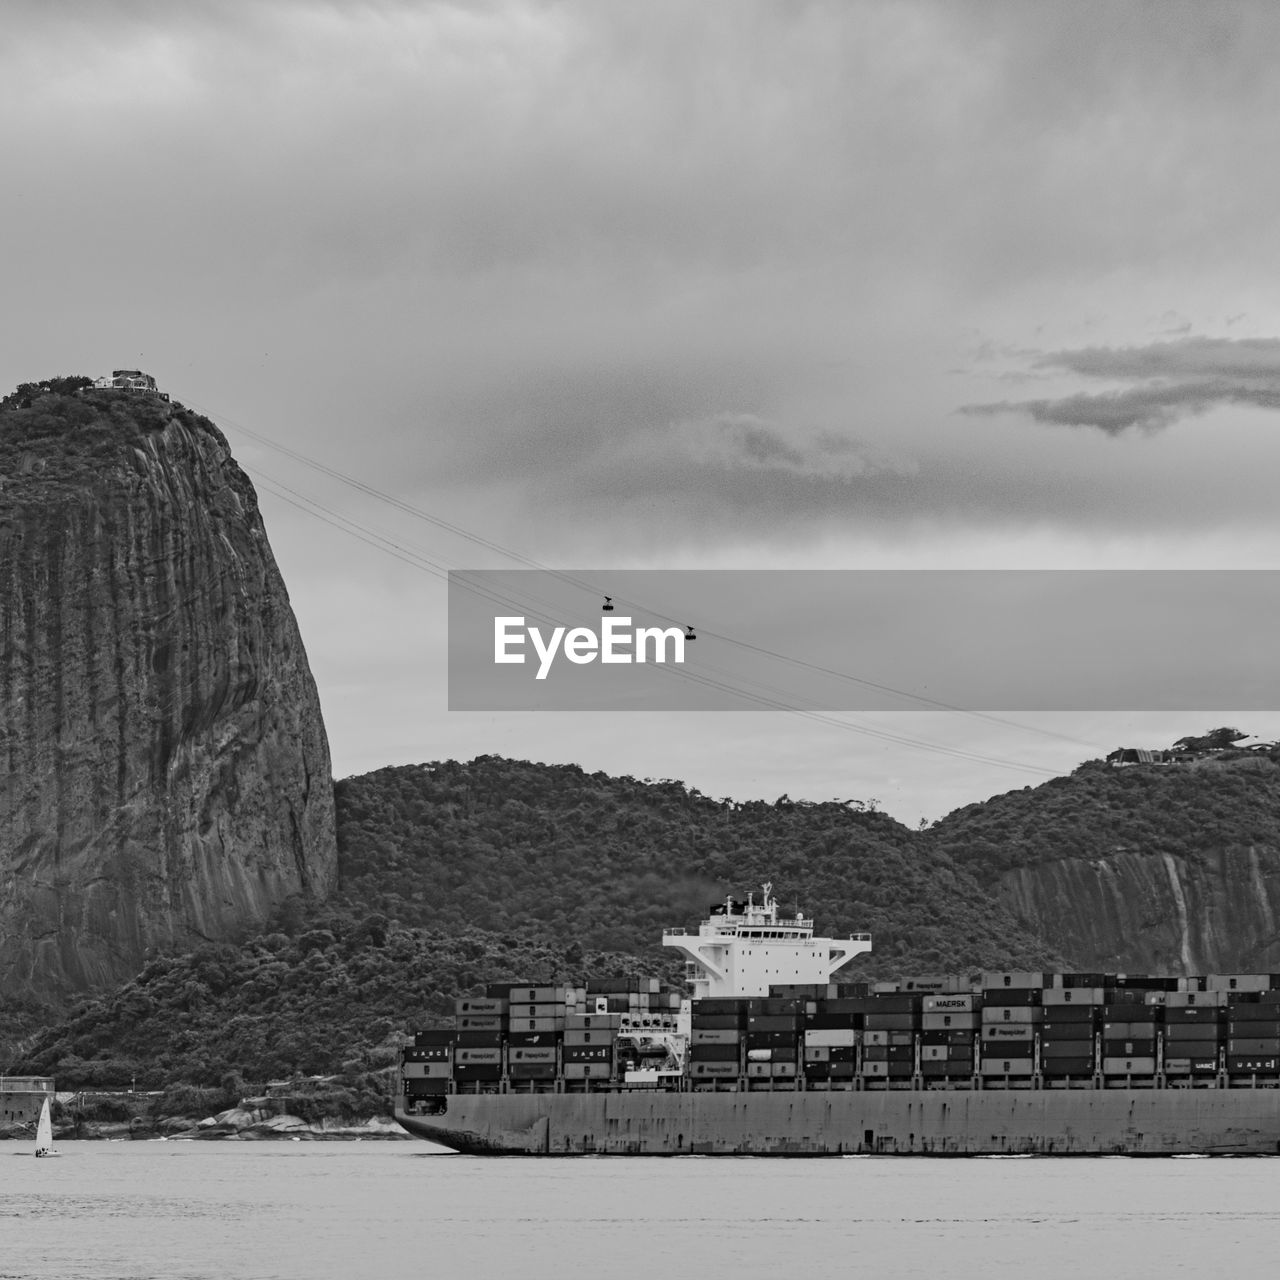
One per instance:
[(769, 1054)]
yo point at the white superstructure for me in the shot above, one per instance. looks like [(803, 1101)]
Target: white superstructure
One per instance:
[(742, 949)]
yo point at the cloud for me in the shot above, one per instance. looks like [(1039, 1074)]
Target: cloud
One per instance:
[(1176, 380)]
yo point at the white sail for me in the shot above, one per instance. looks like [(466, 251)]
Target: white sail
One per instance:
[(44, 1132)]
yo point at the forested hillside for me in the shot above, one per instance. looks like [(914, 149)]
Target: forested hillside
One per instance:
[(453, 875), (556, 853)]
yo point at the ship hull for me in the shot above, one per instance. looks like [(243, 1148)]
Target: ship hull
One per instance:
[(934, 1122)]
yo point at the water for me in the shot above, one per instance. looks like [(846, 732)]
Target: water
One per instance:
[(391, 1211)]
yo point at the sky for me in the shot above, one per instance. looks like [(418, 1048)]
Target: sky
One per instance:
[(851, 285)]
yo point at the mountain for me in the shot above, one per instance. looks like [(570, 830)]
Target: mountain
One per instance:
[(1145, 869), (554, 852), (165, 774)]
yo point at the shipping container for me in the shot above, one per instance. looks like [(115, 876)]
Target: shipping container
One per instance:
[(876, 1038), (1079, 1066), (428, 1053), (1115, 1047), (1006, 1066), (477, 1056), (1009, 1049), (770, 1039), (532, 1071), (1015, 1031), (715, 1022), (434, 1037), (537, 1024), (1080, 1014), (817, 1053), (1253, 1046), (890, 1021), (1066, 1049), (426, 1070), (1072, 996), (955, 1002), (890, 1004), (950, 1021), (480, 1039), (830, 1036), (999, 1014), (524, 1011), (1131, 1013), (472, 1071), (515, 1055), (425, 1088), (713, 1070), (773, 1022), (592, 1021), (1263, 1013), (704, 1036), (1238, 981), (714, 1053), (588, 1053), (774, 1006), (1001, 980), (482, 1022), (533, 1038), (587, 1070), (1125, 1066), (834, 1021), (1240, 1064), (1198, 1015), (607, 1036), (487, 1006)]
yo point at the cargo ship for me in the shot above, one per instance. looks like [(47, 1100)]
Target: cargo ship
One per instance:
[(769, 1054)]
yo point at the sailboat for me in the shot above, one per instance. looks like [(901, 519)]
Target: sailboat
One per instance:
[(44, 1133)]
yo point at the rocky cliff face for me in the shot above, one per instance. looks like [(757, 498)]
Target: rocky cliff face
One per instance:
[(164, 771), (1143, 870), (1154, 912)]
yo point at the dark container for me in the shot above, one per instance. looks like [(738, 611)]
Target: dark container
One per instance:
[(774, 1006), (1129, 1048), (997, 997), (817, 1070), (480, 1039), (714, 1021), (531, 1039), (1078, 1014), (477, 1071), (1194, 1015), (773, 1022), (1009, 1049), (1066, 1066), (1253, 1013), (502, 990), (1082, 979), (896, 1002), (834, 1021), (532, 1071), (1132, 1012), (1066, 1049), (437, 1036), (425, 1088), (1253, 1046), (720, 1004), (770, 1039), (875, 1053), (891, 1021), (843, 1053), (713, 1053), (1251, 1064)]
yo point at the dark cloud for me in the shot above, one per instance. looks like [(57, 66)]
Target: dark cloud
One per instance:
[(1177, 380)]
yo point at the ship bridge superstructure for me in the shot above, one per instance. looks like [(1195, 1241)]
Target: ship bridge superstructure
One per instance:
[(744, 948)]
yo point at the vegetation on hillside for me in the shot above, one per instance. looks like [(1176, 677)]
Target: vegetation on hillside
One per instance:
[(336, 997), (556, 853), (1195, 811)]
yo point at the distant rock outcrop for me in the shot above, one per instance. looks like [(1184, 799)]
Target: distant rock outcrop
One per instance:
[(1152, 869), (164, 770)]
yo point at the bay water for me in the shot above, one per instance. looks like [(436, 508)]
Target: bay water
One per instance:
[(394, 1210)]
